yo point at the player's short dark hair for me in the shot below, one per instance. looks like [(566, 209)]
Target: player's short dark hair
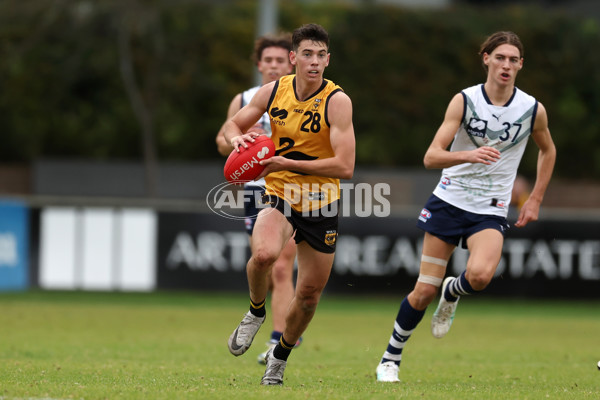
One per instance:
[(283, 40), (499, 38), (313, 32)]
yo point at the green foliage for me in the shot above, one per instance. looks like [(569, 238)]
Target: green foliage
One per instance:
[(63, 94), (173, 346)]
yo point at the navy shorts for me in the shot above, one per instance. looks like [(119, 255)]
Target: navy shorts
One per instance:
[(319, 231), (451, 224), (252, 198)]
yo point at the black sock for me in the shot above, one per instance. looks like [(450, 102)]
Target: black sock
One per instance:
[(282, 350), (458, 287), (258, 309)]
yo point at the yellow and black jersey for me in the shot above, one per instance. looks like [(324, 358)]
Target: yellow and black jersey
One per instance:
[(300, 131)]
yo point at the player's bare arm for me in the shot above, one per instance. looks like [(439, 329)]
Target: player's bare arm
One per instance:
[(223, 145), (246, 118), (342, 139), (438, 155), (545, 165)]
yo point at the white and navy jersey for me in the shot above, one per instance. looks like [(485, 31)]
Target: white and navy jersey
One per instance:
[(480, 188), (264, 121)]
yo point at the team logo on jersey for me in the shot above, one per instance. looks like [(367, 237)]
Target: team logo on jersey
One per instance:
[(445, 182), (277, 113), (330, 237), (425, 215), (316, 104), (477, 127)]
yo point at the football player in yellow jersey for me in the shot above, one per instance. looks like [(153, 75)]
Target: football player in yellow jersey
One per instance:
[(313, 153), (271, 54)]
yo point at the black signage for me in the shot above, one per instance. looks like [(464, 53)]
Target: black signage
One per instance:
[(548, 258)]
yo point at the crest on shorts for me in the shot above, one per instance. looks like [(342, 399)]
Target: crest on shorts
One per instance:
[(424, 215), (330, 237)]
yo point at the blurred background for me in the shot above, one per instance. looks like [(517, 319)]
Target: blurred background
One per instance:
[(110, 110)]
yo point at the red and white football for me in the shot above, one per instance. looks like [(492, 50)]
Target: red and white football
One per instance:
[(243, 166)]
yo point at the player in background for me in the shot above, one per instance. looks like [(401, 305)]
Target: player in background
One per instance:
[(488, 126), (271, 55), (311, 120)]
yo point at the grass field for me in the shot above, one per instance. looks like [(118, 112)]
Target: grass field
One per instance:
[(56, 345)]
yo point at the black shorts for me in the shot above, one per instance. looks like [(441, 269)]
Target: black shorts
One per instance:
[(319, 231), (451, 224)]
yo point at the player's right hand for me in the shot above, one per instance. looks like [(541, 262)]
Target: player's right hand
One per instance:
[(484, 155)]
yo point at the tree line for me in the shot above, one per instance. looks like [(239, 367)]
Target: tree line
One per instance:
[(152, 80)]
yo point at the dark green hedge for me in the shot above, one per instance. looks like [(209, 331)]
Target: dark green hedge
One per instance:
[(62, 93)]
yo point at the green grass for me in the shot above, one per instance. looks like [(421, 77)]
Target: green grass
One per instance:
[(56, 345)]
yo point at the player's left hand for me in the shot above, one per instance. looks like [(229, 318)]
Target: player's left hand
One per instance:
[(275, 163), (529, 213), (241, 140)]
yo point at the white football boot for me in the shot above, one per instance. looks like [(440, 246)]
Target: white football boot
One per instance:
[(387, 372), (241, 339), (444, 313), (274, 372)]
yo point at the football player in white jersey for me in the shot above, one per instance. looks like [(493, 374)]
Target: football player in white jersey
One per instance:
[(486, 127), (271, 54)]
